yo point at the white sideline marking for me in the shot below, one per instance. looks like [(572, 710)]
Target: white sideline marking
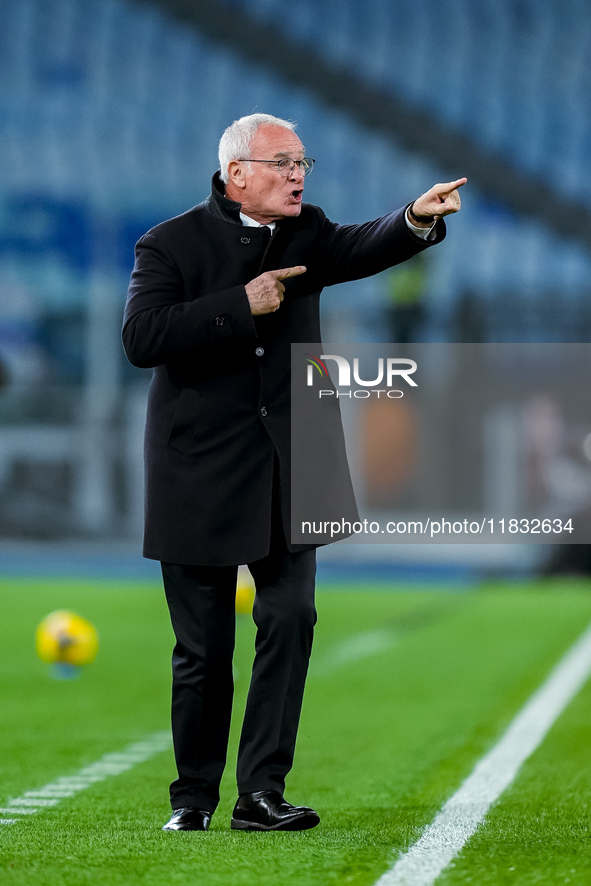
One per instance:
[(464, 811), (108, 765)]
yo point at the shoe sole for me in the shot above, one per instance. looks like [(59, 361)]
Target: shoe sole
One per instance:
[(184, 828), (297, 823)]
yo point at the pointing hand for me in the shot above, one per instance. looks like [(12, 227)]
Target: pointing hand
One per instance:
[(265, 293), (440, 200)]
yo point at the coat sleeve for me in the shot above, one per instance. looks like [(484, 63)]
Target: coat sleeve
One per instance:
[(161, 325), (350, 252)]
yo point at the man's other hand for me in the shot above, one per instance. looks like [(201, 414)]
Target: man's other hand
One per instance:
[(440, 200), (265, 293)]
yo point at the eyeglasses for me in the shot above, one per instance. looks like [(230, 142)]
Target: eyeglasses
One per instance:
[(286, 165)]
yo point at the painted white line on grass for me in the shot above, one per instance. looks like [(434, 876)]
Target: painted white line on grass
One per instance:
[(460, 816), (109, 765)]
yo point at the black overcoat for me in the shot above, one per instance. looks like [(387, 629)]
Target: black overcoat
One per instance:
[(219, 402)]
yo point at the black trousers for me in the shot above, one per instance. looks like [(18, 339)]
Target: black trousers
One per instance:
[(201, 600)]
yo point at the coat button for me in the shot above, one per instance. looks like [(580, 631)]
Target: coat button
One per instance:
[(245, 240), (259, 352), (263, 411), (219, 321)]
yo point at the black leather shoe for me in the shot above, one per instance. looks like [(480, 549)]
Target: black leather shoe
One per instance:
[(188, 819), (268, 811)]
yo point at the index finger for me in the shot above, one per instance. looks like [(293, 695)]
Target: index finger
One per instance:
[(289, 272), (452, 186)]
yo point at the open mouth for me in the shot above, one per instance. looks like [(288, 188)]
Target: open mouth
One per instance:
[(297, 194)]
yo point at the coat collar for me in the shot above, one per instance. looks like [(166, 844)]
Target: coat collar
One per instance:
[(219, 205), (229, 210)]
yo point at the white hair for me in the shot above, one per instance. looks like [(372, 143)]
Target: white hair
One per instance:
[(235, 142)]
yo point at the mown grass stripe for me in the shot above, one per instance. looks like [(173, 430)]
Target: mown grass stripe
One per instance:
[(108, 765), (465, 810), (353, 649)]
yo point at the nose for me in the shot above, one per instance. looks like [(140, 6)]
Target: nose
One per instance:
[(296, 174)]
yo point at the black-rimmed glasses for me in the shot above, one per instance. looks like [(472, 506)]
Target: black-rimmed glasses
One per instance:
[(286, 165)]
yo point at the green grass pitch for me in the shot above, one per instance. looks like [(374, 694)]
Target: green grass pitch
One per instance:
[(407, 690)]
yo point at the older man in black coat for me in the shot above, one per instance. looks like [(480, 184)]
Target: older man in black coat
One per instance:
[(216, 298)]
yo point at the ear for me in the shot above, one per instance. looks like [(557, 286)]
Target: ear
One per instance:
[(236, 174)]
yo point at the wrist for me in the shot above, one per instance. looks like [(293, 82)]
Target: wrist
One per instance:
[(422, 221)]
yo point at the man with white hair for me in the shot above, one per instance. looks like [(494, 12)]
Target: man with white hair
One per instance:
[(216, 298)]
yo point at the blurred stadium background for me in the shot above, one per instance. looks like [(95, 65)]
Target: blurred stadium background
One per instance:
[(110, 114)]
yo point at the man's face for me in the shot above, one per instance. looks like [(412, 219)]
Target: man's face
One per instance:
[(267, 195)]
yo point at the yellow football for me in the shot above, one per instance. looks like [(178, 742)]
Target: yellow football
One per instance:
[(244, 592), (64, 637)]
